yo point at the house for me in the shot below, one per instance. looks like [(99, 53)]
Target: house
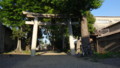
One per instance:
[(104, 21), (108, 39)]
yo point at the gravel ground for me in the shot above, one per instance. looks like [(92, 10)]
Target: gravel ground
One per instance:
[(56, 61)]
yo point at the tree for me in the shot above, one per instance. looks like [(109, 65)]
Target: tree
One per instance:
[(80, 8), (11, 12), (12, 17), (84, 28)]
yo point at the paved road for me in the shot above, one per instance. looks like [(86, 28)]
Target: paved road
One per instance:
[(47, 61)]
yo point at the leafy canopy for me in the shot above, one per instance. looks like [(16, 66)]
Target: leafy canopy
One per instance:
[(11, 10), (11, 13)]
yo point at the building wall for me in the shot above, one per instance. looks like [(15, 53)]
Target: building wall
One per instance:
[(9, 43), (109, 41), (6, 42)]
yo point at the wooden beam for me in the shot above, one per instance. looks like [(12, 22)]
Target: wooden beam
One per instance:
[(33, 15), (49, 23)]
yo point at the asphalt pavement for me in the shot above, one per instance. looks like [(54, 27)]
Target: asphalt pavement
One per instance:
[(48, 61)]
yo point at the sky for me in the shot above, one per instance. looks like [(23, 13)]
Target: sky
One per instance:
[(108, 8)]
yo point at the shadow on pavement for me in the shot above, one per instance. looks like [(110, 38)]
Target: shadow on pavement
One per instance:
[(9, 61), (49, 61)]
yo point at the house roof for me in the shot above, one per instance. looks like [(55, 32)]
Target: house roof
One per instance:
[(109, 16), (112, 25)]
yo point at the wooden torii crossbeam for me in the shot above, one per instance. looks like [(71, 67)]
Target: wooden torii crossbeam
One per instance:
[(49, 23), (35, 24)]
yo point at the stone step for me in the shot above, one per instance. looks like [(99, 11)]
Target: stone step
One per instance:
[(51, 53)]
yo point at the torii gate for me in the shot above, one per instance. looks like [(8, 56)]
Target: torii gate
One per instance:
[(35, 24)]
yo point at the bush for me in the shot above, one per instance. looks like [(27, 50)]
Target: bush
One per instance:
[(106, 55)]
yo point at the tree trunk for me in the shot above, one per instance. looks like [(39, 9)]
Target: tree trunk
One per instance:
[(86, 49), (63, 42), (18, 49), (78, 46), (27, 48)]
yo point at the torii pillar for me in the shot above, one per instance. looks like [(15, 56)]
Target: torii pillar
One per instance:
[(34, 36), (71, 39)]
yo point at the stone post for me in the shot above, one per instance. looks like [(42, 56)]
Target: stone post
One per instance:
[(71, 42), (34, 37), (78, 46)]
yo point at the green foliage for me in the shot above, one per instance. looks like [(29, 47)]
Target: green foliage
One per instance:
[(18, 33), (11, 13), (11, 16), (91, 21), (11, 10), (77, 7), (106, 55)]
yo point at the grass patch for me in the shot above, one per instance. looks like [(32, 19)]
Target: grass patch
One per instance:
[(106, 55), (97, 56), (26, 52), (13, 52)]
